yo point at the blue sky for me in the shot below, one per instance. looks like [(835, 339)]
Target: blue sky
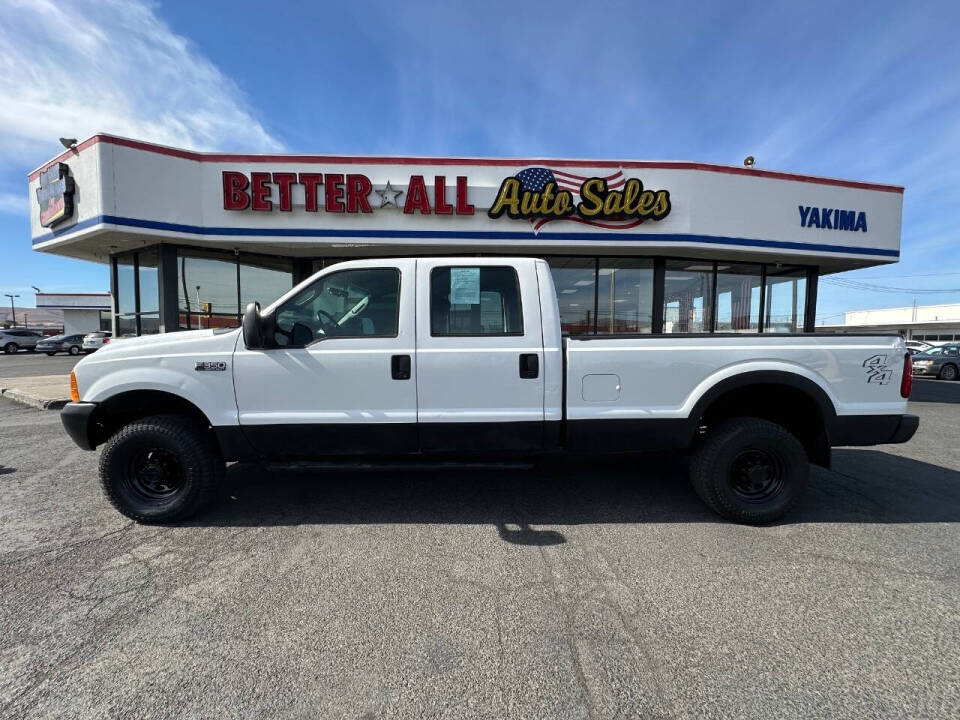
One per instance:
[(867, 91)]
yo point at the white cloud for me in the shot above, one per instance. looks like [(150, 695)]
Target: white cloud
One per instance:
[(74, 69)]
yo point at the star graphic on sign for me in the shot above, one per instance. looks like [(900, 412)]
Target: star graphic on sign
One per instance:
[(388, 196)]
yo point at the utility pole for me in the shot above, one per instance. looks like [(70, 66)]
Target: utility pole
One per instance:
[(13, 309)]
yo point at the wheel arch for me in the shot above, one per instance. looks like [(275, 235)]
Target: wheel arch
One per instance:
[(115, 411), (786, 398)]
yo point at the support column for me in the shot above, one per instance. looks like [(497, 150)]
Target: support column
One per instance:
[(167, 287), (302, 269), (810, 311)]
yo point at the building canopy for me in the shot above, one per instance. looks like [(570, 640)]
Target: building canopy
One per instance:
[(111, 194)]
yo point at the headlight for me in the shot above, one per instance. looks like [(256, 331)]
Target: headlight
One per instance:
[(923, 363)]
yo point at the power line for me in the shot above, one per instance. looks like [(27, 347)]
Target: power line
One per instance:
[(851, 284), (887, 277)]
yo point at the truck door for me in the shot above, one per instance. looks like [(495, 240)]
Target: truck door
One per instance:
[(479, 355), (341, 379)]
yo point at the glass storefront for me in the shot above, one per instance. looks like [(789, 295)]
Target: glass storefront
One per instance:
[(214, 288), (687, 296), (786, 299), (576, 281), (738, 297), (596, 295), (625, 295), (125, 294)]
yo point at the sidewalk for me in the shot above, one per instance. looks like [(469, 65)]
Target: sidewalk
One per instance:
[(47, 392)]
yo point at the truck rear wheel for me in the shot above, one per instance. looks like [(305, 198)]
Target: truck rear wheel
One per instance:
[(160, 469), (750, 470)]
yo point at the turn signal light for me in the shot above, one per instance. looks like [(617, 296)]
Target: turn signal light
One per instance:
[(906, 382), (74, 392)]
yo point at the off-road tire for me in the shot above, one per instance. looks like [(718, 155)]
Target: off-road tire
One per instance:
[(948, 372), (188, 442), (718, 474), (10, 348)]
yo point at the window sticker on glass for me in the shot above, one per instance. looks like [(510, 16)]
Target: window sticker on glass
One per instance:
[(465, 286)]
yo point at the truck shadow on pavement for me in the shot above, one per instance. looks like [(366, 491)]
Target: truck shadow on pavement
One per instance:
[(531, 506)]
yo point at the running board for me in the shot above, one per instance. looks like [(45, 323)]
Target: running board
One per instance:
[(394, 465)]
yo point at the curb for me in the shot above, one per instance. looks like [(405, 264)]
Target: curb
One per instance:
[(18, 396)]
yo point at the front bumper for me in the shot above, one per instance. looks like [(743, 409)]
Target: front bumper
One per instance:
[(76, 419), (872, 429)]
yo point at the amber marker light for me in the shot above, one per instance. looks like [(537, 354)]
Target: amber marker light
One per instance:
[(74, 392)]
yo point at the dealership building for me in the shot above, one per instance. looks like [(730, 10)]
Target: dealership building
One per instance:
[(635, 246)]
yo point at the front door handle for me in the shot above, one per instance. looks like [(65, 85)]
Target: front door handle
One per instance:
[(400, 367), (529, 366)]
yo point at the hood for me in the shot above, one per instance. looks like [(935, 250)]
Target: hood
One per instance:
[(172, 343)]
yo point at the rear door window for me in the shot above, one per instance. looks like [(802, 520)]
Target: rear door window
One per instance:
[(471, 301)]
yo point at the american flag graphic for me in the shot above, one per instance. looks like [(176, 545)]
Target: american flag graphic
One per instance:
[(535, 179)]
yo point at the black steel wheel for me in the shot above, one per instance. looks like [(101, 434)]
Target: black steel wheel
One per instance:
[(749, 470), (162, 468)]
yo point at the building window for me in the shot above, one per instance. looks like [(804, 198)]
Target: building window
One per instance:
[(206, 290), (625, 295), (126, 295), (575, 279), (149, 292), (213, 288), (136, 292), (738, 297), (785, 299), (475, 301), (687, 293), (263, 279)]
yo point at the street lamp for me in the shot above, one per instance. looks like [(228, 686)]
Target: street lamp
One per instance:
[(13, 310)]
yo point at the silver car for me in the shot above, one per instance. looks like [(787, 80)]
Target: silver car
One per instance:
[(13, 340), (96, 340), (71, 344)]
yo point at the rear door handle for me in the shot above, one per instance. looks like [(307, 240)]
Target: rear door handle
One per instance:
[(529, 366), (400, 367)]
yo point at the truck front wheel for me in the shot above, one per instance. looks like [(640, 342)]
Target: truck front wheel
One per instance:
[(749, 470), (160, 469)]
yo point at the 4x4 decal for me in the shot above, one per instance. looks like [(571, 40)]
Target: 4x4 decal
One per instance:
[(877, 370)]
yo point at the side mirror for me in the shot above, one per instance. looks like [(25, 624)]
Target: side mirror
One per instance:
[(252, 327)]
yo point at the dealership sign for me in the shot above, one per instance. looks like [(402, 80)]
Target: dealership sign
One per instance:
[(537, 194), (55, 194), (341, 192)]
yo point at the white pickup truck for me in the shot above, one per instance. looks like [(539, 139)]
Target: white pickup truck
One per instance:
[(453, 357)]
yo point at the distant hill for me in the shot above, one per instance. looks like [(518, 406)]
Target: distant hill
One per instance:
[(35, 317)]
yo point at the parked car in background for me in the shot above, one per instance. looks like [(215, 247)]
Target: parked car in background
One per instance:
[(96, 340), (942, 362), (71, 344), (917, 346), (13, 340)]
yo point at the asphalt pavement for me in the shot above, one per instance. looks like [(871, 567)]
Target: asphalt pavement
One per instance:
[(28, 364), (579, 590)]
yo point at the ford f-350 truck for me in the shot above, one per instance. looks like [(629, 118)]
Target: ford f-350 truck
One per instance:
[(464, 357)]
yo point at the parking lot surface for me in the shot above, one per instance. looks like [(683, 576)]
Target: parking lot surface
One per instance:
[(28, 364), (587, 590)]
